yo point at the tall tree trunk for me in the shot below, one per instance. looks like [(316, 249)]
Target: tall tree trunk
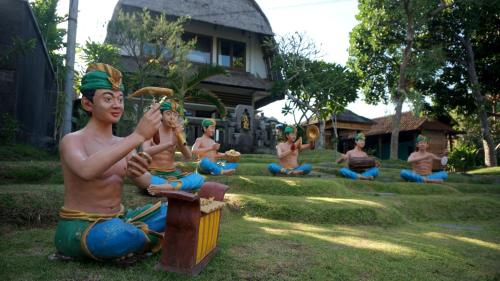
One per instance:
[(321, 140), (70, 64), (396, 122), (335, 139), (402, 83), (490, 158)]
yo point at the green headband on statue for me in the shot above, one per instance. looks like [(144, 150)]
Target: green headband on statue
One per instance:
[(170, 105), (102, 76), (207, 123), (289, 130), (359, 136), (422, 138)]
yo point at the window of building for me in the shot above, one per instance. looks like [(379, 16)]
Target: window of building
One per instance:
[(202, 52), (231, 54), (156, 50)]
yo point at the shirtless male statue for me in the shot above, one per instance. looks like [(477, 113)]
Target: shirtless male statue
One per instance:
[(288, 154), (357, 152), (93, 222), (206, 149), (421, 163), (163, 169)]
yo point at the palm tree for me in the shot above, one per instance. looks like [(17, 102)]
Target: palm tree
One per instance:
[(186, 85)]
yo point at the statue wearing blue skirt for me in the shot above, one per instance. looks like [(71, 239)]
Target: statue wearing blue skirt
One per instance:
[(359, 156), (211, 162), (421, 162), (92, 222), (288, 153), (164, 172)]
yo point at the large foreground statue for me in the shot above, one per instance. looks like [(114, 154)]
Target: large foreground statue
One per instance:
[(288, 154), (93, 222), (207, 151), (361, 166), (421, 162)]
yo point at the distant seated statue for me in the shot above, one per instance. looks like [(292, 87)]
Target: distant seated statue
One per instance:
[(163, 169), (206, 150), (361, 166), (288, 154), (93, 223), (421, 162)]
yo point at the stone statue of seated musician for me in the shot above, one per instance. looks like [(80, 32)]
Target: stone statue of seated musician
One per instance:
[(421, 162), (206, 150), (368, 171), (164, 173), (93, 223), (288, 154)]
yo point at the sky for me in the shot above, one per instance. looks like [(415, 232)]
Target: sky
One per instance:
[(327, 22)]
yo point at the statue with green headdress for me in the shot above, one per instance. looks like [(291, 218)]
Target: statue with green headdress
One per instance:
[(288, 154), (163, 169), (211, 161), (92, 222), (361, 166), (422, 162)]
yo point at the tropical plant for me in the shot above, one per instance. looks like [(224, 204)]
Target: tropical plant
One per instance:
[(387, 53), (468, 79), (314, 88), (462, 158), (45, 12), (160, 56), (8, 129), (186, 85), (94, 52), (18, 46)]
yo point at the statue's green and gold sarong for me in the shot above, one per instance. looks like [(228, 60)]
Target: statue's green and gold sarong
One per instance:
[(109, 236)]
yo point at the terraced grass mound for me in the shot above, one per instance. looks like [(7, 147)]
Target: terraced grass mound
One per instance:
[(317, 227)]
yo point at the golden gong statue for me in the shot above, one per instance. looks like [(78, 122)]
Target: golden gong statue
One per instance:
[(312, 134)]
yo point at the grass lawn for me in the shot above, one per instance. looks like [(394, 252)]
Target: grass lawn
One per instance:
[(319, 227), (486, 171)]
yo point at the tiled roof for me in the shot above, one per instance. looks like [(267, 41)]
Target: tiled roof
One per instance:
[(409, 122)]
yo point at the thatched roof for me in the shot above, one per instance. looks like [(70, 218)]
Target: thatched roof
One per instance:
[(409, 122), (348, 117), (240, 79), (240, 14)]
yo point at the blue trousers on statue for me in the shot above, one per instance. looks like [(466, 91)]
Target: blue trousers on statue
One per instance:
[(206, 166), (191, 182), (348, 173), (410, 175), (277, 169)]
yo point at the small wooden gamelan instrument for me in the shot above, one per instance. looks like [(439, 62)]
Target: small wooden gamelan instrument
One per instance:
[(360, 164), (192, 232)]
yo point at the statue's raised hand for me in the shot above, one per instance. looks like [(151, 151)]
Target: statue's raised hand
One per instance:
[(149, 123), (216, 146), (138, 164)]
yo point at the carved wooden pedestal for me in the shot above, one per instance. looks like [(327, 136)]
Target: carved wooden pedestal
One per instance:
[(192, 230)]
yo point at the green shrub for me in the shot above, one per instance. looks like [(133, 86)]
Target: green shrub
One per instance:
[(22, 152), (8, 129), (30, 172), (462, 158)]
